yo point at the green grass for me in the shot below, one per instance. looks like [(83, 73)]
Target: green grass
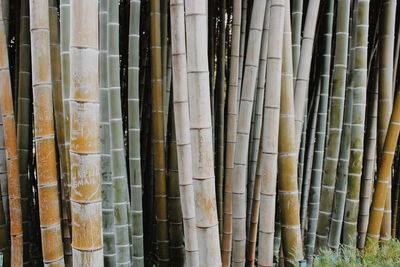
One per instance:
[(374, 256)]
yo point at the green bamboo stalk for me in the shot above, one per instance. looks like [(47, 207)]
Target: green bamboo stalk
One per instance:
[(219, 116), (107, 184), (258, 116), (385, 100), (269, 142), (118, 163), (24, 123), (174, 202), (287, 157), (182, 131), (368, 173), (232, 114), (201, 133), (335, 122), (65, 80), (304, 66), (158, 135), (297, 17), (243, 35), (312, 199), (243, 133), (165, 55), (135, 171)]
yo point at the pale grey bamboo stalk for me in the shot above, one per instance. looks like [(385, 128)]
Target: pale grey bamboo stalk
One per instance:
[(182, 130), (269, 143), (243, 34), (303, 73), (243, 133)]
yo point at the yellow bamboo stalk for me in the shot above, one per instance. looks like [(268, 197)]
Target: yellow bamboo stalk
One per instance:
[(10, 140), (86, 210), (46, 168), (382, 184)]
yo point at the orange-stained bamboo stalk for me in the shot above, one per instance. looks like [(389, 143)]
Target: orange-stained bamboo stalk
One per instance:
[(46, 168), (86, 205), (10, 140)]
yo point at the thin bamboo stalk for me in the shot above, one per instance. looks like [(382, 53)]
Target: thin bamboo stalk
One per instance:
[(46, 167), (65, 80), (4, 209), (107, 184), (219, 115), (174, 203), (164, 60), (382, 183), (304, 66), (243, 35), (24, 123), (268, 158), (4, 236), (243, 133), (297, 17), (232, 114), (335, 123), (158, 136), (287, 157), (201, 133), (311, 199), (135, 171), (86, 204), (385, 100), (10, 140), (118, 162), (182, 130)]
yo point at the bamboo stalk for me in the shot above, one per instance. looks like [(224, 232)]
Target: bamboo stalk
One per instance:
[(287, 157), (385, 100), (297, 17), (87, 238), (335, 123), (10, 140), (304, 66), (269, 142), (201, 133), (243, 43), (243, 133), (182, 130), (24, 123), (46, 168), (118, 162), (135, 171), (232, 114), (107, 183), (4, 209)]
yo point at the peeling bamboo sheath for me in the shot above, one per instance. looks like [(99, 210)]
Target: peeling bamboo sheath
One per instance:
[(201, 133), (87, 237), (232, 114), (10, 140), (46, 167), (182, 129)]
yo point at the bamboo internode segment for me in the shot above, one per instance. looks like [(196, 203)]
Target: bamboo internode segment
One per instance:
[(201, 133), (182, 130), (10, 140), (87, 237), (232, 114)]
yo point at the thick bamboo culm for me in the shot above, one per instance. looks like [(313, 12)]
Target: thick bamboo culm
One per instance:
[(158, 136), (201, 133), (45, 146), (10, 140), (135, 171), (86, 207), (182, 130), (243, 134), (230, 143), (24, 128)]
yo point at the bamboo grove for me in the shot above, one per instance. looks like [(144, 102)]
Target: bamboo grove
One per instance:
[(197, 133)]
